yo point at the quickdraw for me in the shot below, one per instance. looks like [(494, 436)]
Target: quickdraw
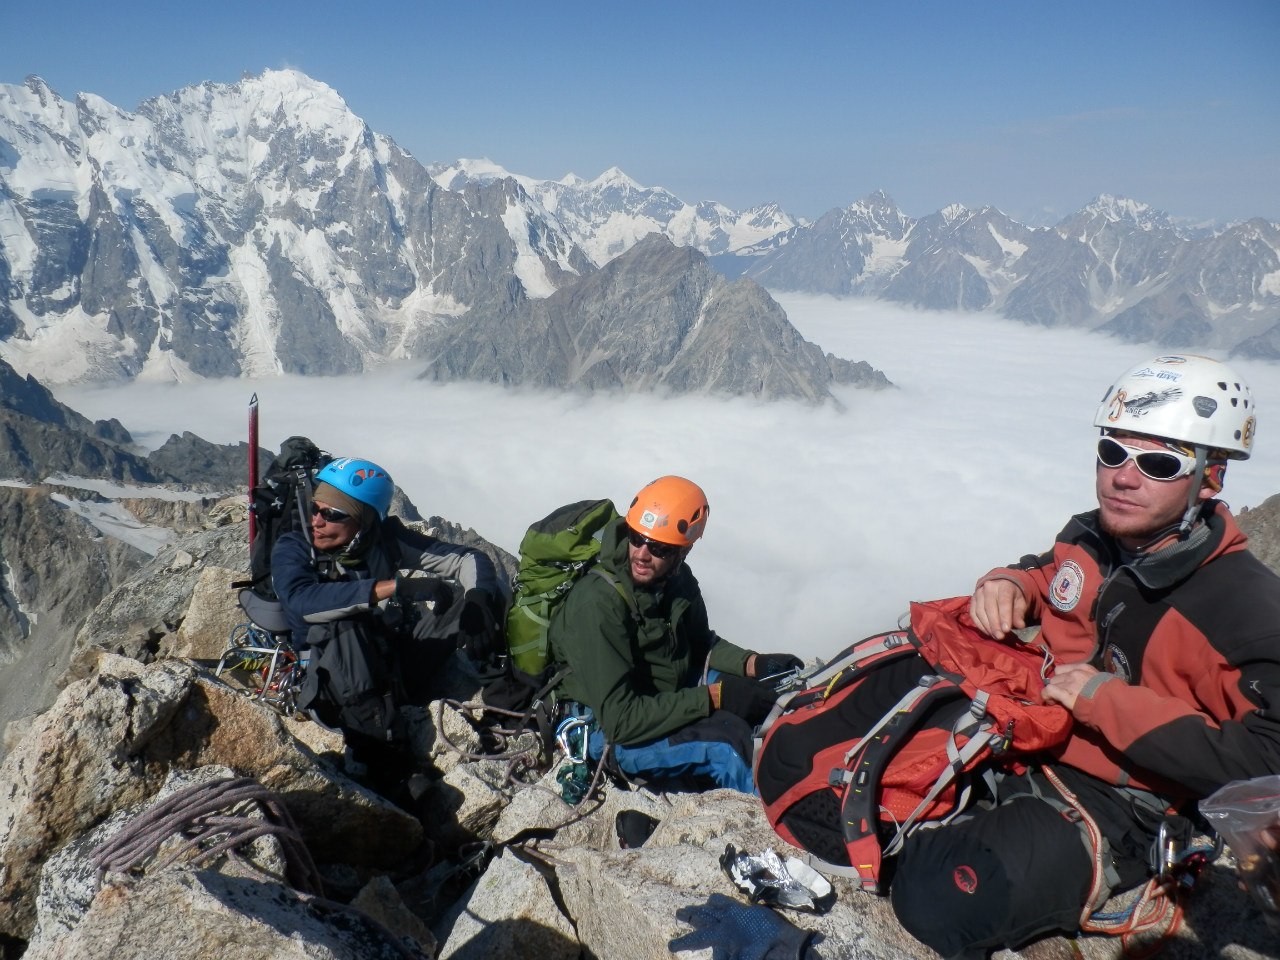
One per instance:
[(1155, 914)]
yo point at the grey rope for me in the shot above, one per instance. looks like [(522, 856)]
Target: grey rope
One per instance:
[(195, 814)]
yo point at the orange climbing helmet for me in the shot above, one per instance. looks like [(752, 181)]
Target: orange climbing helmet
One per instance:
[(671, 510)]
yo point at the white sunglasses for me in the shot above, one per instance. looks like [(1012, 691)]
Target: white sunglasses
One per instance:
[(1161, 464)]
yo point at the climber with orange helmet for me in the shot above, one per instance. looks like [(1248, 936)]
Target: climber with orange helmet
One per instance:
[(677, 703)]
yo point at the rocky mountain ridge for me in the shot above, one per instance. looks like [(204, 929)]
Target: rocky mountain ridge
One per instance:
[(261, 227), (1116, 266), (658, 316), (481, 859), (610, 214)]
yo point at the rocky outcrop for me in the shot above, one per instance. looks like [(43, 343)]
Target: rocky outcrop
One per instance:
[(57, 569), (1262, 525), (546, 879), (210, 466), (656, 317)]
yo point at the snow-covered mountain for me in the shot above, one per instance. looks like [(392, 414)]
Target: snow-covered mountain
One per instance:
[(249, 228), (1117, 266), (261, 227), (610, 214)]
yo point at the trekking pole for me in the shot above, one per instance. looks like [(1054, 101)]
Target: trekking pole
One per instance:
[(253, 464)]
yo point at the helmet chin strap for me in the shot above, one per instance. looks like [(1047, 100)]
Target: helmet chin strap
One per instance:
[(1193, 493)]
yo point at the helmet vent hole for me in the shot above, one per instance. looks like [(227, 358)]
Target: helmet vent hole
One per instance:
[(683, 526)]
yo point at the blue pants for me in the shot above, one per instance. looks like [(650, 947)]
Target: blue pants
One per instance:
[(713, 752)]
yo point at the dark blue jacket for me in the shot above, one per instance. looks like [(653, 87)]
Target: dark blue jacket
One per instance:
[(317, 588)]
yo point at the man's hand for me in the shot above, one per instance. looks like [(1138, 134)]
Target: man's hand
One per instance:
[(410, 589), (747, 699), (766, 665), (997, 607), (1067, 682), (479, 632)]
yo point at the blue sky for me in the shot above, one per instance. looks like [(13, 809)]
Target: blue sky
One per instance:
[(1033, 107)]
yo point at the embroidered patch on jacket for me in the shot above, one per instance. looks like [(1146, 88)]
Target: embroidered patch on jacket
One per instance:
[(1114, 661), (1065, 592), (966, 880)]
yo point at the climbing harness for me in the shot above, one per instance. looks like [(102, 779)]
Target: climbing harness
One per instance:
[(279, 671)]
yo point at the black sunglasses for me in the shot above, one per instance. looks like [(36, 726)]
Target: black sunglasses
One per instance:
[(329, 513), (657, 548), (1156, 464)]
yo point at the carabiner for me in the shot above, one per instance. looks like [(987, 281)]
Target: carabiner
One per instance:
[(565, 734)]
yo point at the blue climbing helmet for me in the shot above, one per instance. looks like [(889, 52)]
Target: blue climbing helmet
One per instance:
[(361, 480)]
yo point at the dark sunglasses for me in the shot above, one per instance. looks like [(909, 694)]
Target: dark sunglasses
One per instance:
[(329, 513), (1156, 464), (657, 548)]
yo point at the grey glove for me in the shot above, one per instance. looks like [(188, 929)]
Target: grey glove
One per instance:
[(736, 931)]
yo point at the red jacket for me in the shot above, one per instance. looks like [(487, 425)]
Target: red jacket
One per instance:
[(1188, 638)]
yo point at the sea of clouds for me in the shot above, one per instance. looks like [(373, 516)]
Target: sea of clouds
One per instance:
[(825, 521)]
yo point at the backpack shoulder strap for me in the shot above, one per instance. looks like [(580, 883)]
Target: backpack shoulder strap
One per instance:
[(613, 581), (390, 531)]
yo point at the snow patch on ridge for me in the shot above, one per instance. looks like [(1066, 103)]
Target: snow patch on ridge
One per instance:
[(113, 520)]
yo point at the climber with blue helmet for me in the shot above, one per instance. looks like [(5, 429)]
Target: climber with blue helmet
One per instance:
[(349, 520), (361, 586)]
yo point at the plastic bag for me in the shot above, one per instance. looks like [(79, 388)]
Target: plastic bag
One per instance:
[(1246, 814)]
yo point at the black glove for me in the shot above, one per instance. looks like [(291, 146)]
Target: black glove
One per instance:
[(410, 590), (747, 699), (735, 931), (772, 664), (477, 625)]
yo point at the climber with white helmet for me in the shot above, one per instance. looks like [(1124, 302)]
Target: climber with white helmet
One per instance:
[(1164, 634)]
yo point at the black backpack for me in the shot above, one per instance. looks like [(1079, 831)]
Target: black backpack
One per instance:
[(281, 502)]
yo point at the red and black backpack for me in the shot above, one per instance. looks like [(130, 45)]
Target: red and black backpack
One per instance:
[(894, 732)]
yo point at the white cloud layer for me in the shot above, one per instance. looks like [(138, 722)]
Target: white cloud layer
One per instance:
[(825, 523)]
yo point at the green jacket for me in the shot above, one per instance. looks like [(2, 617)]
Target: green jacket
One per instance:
[(641, 678)]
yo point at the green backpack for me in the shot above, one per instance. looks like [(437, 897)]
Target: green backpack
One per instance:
[(554, 554)]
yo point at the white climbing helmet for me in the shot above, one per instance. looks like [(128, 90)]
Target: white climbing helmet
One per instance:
[(1194, 400)]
